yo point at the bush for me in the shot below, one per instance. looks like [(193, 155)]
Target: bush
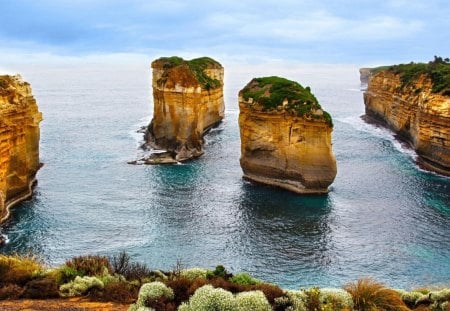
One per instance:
[(10, 291), (411, 298), (64, 274), (122, 264), (18, 269), (120, 292), (270, 291), (297, 299), (369, 295), (181, 289), (193, 273), (41, 289), (312, 301), (80, 286), (208, 298), (89, 265), (219, 271), (244, 279), (153, 291), (336, 299), (442, 295), (253, 300)]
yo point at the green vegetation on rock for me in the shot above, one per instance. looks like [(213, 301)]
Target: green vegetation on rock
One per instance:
[(271, 92), (197, 66), (437, 70)]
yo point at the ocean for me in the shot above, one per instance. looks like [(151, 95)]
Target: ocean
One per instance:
[(384, 217)]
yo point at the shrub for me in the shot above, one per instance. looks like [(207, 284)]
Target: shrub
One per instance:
[(41, 289), (64, 274), (10, 291), (219, 271), (297, 299), (193, 273), (122, 264), (180, 289), (208, 298), (270, 291), (370, 295), (337, 299), (244, 279), (442, 295), (153, 291), (312, 301), (229, 286), (411, 298), (253, 300), (80, 286), (121, 292), (18, 269), (89, 265)]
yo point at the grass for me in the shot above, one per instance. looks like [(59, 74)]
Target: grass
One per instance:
[(19, 269), (271, 92), (196, 66), (437, 70)]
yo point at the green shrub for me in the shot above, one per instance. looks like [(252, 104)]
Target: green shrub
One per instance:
[(439, 296), (194, 273), (89, 265), (244, 279), (80, 286), (219, 271), (208, 298), (252, 300), (411, 298), (64, 274), (336, 298)]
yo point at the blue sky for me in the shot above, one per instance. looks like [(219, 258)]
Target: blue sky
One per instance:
[(358, 32)]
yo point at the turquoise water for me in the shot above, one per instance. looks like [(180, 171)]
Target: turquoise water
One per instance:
[(383, 217)]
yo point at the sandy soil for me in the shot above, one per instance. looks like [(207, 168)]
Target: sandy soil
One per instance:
[(72, 304)]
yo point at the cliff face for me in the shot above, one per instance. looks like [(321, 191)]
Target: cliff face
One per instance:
[(188, 100), (415, 112), (19, 141), (282, 147), (364, 74)]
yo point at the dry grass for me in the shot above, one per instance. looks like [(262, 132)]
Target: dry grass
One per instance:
[(369, 295), (18, 269)]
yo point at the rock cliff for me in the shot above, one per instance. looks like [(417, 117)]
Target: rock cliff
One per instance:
[(364, 74), (414, 101), (285, 136), (19, 141), (188, 101)]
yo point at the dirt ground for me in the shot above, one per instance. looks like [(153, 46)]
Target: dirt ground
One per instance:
[(72, 304)]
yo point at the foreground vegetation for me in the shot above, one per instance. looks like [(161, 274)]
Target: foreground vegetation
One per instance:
[(273, 93), (119, 279)]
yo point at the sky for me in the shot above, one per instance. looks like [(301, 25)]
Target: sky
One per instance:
[(248, 31)]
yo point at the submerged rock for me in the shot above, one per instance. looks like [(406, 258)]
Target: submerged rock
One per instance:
[(285, 136), (19, 142), (188, 101), (414, 101)]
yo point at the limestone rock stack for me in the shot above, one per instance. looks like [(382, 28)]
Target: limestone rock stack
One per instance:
[(188, 101), (285, 136), (19, 141), (414, 102)]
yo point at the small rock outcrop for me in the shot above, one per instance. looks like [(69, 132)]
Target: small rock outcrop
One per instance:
[(414, 101), (19, 142), (188, 101), (364, 74), (285, 136)]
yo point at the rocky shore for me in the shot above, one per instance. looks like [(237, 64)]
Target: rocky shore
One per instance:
[(285, 136), (19, 142)]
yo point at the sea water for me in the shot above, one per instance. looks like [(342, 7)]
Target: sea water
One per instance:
[(384, 217)]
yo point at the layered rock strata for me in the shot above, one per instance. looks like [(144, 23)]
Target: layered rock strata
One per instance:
[(285, 136), (188, 101), (19, 142), (416, 111)]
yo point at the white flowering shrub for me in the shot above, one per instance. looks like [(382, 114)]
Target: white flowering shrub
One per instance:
[(411, 298), (194, 273), (153, 290), (252, 301), (297, 299), (337, 298), (208, 298), (442, 295), (134, 307), (80, 286)]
